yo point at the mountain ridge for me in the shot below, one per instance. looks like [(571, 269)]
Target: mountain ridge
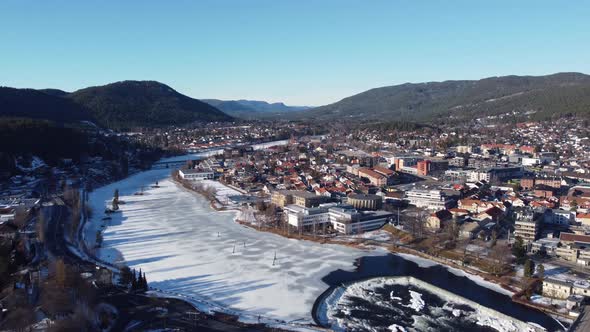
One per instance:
[(560, 93), (252, 108)]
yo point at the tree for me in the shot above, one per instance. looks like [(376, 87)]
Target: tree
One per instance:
[(541, 271), (61, 273), (40, 227), (519, 250), (145, 283), (529, 268), (500, 259), (126, 276), (134, 280)]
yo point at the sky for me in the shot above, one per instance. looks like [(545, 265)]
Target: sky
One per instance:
[(301, 52)]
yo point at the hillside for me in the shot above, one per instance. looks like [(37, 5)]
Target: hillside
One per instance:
[(143, 103), (118, 105), (535, 96), (252, 108), (34, 104)]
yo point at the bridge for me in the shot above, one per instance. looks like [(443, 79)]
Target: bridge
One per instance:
[(170, 164)]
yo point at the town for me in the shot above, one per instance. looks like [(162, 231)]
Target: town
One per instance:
[(309, 166)]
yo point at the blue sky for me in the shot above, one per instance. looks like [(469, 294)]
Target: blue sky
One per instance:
[(304, 52)]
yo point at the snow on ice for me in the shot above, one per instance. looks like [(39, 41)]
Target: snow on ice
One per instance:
[(188, 249)]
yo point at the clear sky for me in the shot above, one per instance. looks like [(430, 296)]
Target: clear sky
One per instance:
[(302, 52)]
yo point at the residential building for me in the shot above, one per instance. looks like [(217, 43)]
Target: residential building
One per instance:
[(282, 198), (562, 289), (436, 219), (558, 217), (526, 227)]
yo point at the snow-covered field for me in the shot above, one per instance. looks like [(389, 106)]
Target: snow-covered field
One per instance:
[(188, 249)]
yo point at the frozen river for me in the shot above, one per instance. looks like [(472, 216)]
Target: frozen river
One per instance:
[(186, 247)]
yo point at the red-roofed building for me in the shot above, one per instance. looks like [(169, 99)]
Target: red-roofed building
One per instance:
[(570, 238), (375, 178)]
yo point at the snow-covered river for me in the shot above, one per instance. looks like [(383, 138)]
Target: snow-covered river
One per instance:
[(185, 247)]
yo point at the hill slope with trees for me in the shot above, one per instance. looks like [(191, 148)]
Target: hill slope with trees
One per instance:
[(143, 103), (539, 97)]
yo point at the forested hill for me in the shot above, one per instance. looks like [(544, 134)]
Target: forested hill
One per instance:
[(143, 103), (118, 105), (34, 104), (533, 96)]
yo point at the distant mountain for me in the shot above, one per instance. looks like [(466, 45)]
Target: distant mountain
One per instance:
[(143, 103), (535, 96), (35, 104), (54, 92), (252, 108)]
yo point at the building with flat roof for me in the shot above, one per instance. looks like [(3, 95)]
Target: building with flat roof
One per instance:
[(431, 199), (343, 218), (197, 174), (282, 198), (365, 201), (308, 199), (527, 227)]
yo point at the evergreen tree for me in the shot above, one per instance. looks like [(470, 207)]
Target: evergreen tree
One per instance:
[(134, 281), (140, 281), (519, 250), (145, 283), (126, 276), (529, 268)]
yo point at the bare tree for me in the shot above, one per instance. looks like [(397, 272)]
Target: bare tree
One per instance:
[(500, 256), (60, 273), (40, 227)]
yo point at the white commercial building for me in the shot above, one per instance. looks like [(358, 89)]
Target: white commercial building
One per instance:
[(196, 174), (430, 199), (343, 218)]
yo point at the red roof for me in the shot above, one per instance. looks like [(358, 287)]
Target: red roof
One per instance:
[(571, 237), (383, 170)]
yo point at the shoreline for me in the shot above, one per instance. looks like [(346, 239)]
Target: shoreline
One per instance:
[(484, 279)]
